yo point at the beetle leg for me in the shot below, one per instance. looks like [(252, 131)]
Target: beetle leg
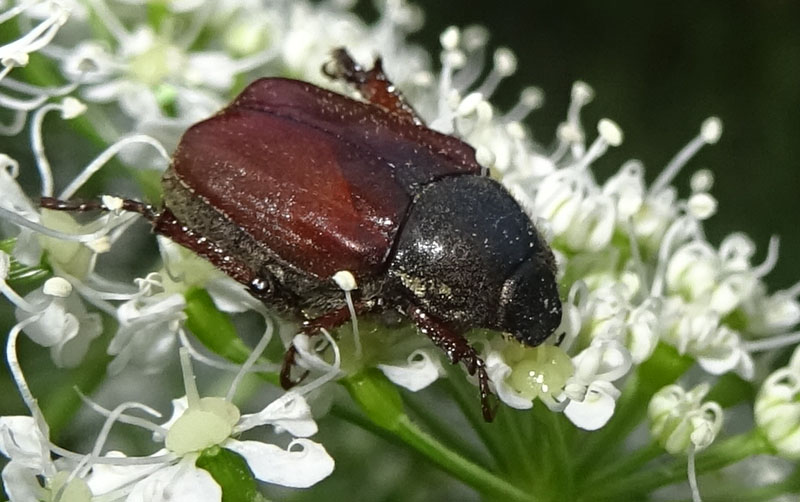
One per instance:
[(372, 84), (311, 327), (146, 210), (457, 349), (164, 223)]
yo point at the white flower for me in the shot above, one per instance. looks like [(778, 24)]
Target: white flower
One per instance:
[(22, 441), (50, 16), (422, 368), (772, 314), (181, 483), (144, 65), (596, 407), (699, 332), (201, 423), (13, 199), (310, 354), (681, 422), (31, 474), (148, 326), (642, 331), (307, 34), (591, 394), (26, 446), (213, 421), (626, 188), (609, 312), (777, 409), (499, 372), (71, 247), (521, 374), (634, 259), (722, 279), (56, 318)]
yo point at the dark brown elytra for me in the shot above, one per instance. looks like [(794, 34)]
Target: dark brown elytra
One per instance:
[(292, 183)]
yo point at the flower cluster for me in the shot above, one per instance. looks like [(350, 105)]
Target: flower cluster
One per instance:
[(638, 278), (634, 262)]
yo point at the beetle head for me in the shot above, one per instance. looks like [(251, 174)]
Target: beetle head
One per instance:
[(530, 307), (469, 255)]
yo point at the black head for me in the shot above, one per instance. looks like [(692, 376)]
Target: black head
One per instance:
[(530, 307), (468, 254)]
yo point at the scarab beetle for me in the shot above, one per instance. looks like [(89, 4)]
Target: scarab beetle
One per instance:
[(292, 183)]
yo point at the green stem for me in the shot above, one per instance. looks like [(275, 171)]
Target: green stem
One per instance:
[(562, 481), (359, 420), (471, 474), (445, 432), (761, 493), (727, 452), (520, 464), (381, 402), (469, 407), (627, 465), (630, 411)]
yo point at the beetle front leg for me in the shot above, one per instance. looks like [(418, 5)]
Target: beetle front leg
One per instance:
[(164, 223), (329, 320), (373, 84), (457, 349), (134, 206)]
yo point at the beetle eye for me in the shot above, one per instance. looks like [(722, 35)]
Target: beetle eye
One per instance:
[(261, 286), (530, 307)]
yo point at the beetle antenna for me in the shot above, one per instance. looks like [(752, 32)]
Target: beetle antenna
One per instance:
[(106, 203)]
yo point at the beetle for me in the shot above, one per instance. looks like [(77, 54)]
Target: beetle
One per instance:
[(292, 183)]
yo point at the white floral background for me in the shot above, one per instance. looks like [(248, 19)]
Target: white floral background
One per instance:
[(642, 262)]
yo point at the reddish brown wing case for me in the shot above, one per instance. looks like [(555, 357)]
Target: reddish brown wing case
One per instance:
[(320, 179)]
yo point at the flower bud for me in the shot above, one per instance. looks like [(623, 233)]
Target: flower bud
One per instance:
[(777, 409), (680, 421)]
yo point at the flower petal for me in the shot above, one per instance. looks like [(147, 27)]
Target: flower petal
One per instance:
[(23, 442), (20, 483), (179, 407), (53, 322), (229, 295), (420, 370), (498, 371), (596, 408), (292, 468), (105, 478), (290, 412), (178, 483), (307, 357)]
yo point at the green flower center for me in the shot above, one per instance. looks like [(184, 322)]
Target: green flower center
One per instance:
[(540, 371), (207, 424)]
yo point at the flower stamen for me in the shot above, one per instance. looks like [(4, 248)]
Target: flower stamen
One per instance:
[(710, 132)]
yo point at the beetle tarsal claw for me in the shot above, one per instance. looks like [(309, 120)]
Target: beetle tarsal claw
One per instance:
[(286, 369)]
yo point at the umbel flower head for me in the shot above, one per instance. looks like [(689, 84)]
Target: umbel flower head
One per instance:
[(650, 306)]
